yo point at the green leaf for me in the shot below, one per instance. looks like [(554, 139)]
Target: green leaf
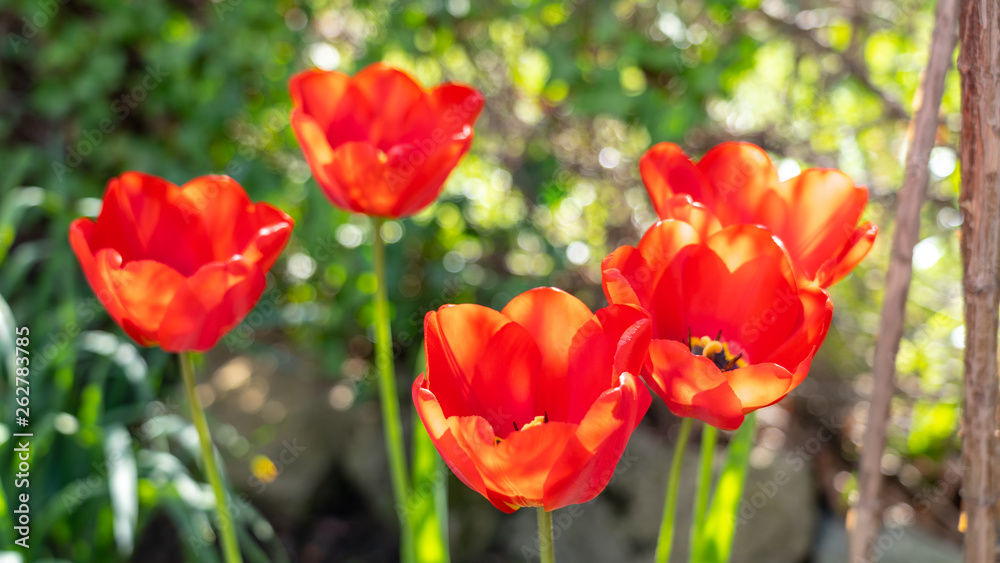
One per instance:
[(933, 424), (428, 504), (709, 437), (123, 486), (14, 205), (716, 541), (7, 337)]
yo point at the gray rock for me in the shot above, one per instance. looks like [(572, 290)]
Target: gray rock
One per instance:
[(894, 545), (778, 514)]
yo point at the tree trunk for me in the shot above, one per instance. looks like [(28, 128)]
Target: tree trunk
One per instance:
[(979, 64)]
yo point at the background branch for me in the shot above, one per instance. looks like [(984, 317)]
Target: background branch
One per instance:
[(923, 130), (854, 65)]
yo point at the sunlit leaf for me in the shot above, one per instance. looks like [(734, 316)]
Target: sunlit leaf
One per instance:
[(428, 504), (720, 524)]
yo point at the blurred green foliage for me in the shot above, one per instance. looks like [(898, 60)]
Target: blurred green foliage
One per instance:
[(576, 92)]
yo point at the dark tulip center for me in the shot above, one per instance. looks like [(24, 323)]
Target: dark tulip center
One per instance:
[(717, 350)]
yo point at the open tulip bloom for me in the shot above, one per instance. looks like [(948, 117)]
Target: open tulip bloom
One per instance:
[(815, 214), (178, 267), (533, 405), (378, 143), (733, 330)]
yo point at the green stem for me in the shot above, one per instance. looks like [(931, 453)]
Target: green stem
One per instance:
[(227, 533), (389, 398), (545, 547), (709, 437), (666, 540)]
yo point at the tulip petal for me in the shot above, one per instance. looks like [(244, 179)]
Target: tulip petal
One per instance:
[(428, 153), (613, 342), (799, 347), (666, 248), (143, 290), (664, 240), (81, 233), (503, 391), (511, 473), (319, 155), (651, 273), (517, 468), (209, 304), (401, 103), (759, 385), (323, 97), (272, 234), (224, 211), (820, 213), (115, 226), (552, 317), (445, 433), (692, 386), (667, 171), (418, 172), (145, 217), (361, 169), (853, 252), (588, 462), (742, 283), (741, 175), (617, 287), (461, 106), (682, 208), (802, 370)]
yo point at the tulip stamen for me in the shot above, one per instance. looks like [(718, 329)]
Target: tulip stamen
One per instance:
[(733, 362), (498, 439), (717, 351), (537, 421)]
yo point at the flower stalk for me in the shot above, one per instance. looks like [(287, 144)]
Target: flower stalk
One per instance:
[(665, 543), (389, 397), (545, 547), (227, 533), (709, 437)]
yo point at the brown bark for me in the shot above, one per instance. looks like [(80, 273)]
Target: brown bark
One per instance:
[(979, 64), (866, 521)]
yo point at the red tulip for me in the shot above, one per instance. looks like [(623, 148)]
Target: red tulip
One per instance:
[(533, 405), (378, 143), (814, 214), (179, 267), (733, 331)]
